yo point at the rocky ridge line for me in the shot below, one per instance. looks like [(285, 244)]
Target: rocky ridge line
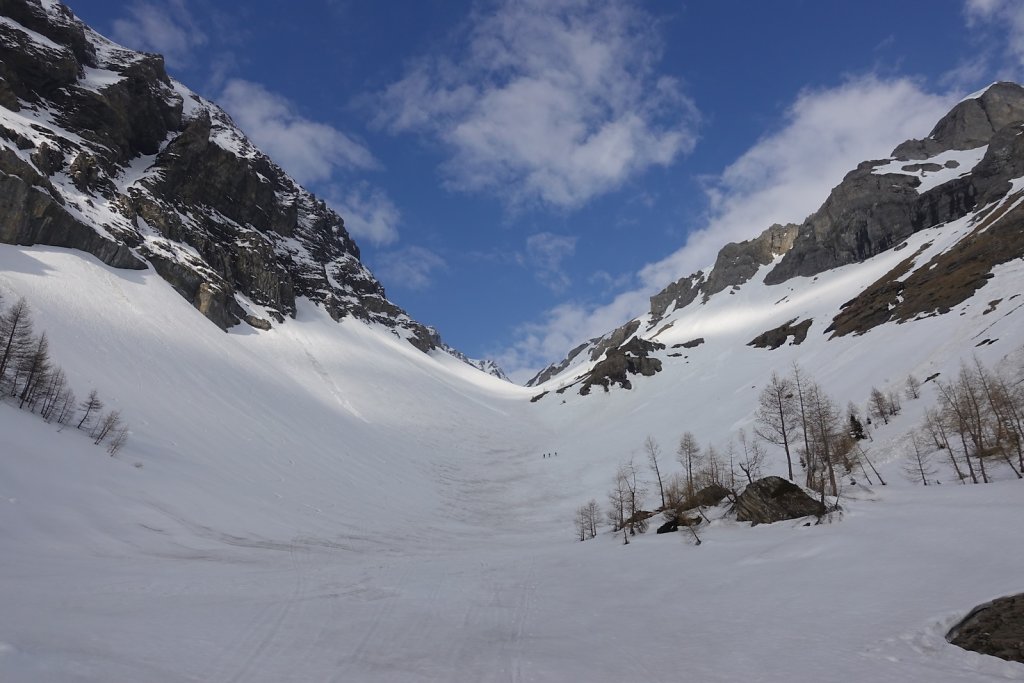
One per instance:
[(101, 151)]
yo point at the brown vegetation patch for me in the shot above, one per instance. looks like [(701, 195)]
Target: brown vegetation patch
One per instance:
[(945, 281)]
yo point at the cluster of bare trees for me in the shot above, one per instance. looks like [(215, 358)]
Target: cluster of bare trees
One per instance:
[(795, 413), (29, 377), (979, 418), (701, 467), (588, 518)]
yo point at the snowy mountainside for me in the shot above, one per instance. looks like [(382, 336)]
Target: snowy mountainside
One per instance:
[(296, 503), (961, 187), (100, 150), (320, 500)]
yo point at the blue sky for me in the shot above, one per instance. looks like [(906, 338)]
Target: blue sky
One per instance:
[(523, 174)]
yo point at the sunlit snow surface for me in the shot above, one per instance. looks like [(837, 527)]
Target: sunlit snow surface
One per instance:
[(323, 502)]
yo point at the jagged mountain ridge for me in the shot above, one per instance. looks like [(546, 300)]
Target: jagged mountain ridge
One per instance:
[(100, 150), (969, 166)]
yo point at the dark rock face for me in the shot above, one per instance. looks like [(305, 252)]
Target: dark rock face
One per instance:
[(774, 338), (709, 496), (868, 213), (969, 124), (668, 527), (555, 368), (944, 281), (774, 499), (996, 629), (139, 171), (737, 262), (631, 358), (682, 293)]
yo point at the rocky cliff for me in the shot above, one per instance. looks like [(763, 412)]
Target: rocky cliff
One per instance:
[(100, 150), (971, 165)]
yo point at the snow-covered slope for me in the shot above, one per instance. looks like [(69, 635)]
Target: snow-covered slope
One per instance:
[(322, 501)]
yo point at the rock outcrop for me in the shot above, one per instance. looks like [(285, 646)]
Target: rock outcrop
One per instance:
[(871, 212), (630, 358), (776, 337), (966, 166), (995, 628), (774, 499), (737, 262), (100, 150)]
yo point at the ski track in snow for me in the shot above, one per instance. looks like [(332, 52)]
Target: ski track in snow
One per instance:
[(323, 502)]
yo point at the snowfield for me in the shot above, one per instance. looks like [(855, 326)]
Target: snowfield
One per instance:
[(323, 502)]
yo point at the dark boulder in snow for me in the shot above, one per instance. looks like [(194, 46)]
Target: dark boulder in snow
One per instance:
[(709, 495), (774, 499), (668, 527), (995, 628)]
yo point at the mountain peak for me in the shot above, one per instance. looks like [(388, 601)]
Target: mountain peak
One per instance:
[(969, 124), (101, 151)]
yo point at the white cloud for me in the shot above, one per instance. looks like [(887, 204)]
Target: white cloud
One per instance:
[(553, 101), (411, 267), (167, 28), (782, 178), (369, 214), (1005, 19), (545, 253), (309, 150)]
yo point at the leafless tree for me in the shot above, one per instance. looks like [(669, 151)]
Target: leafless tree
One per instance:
[(912, 387), (935, 424), (799, 382), (712, 470), (580, 522), (892, 403), (90, 405), (825, 431), (777, 415), (879, 405), (919, 466), (1000, 422), (635, 491), (66, 412), (15, 335), (676, 497), (617, 498), (120, 435), (35, 367), (751, 457), (653, 451), (689, 456), (592, 514), (108, 424), (52, 393)]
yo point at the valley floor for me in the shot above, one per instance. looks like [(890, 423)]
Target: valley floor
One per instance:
[(867, 597), (322, 502)]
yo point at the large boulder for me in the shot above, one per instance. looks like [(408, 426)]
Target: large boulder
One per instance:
[(995, 628), (774, 499), (709, 495)]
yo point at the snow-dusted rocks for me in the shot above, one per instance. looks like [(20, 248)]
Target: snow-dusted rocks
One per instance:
[(101, 151), (995, 628), (774, 499), (954, 198)]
